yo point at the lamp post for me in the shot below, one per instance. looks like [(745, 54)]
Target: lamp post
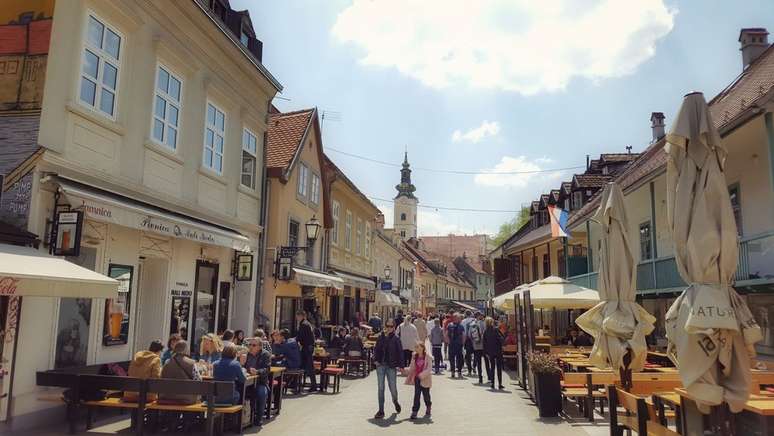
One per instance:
[(285, 254), (387, 272)]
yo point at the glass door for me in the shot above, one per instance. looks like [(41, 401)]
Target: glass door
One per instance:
[(204, 301), (224, 300)]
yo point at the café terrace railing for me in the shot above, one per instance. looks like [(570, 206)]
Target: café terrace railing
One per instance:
[(756, 265)]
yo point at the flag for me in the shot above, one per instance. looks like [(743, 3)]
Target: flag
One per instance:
[(558, 222)]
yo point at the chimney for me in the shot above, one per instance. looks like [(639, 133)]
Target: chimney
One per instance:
[(379, 219), (753, 41), (657, 125)]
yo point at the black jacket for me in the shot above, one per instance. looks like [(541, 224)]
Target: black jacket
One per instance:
[(388, 351), (305, 335), (493, 342)]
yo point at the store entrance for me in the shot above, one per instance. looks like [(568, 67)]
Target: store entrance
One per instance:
[(205, 294), (152, 298)]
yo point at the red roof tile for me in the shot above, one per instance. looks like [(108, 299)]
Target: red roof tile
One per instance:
[(591, 180), (284, 134)]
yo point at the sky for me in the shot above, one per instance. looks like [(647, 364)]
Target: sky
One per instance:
[(492, 86)]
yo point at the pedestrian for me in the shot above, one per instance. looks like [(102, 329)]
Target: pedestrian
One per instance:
[(408, 339), (436, 340), (376, 323), (467, 345), (456, 340), (493, 347), (421, 326), (419, 376), (399, 317), (305, 338), (476, 338), (445, 324), (388, 357)]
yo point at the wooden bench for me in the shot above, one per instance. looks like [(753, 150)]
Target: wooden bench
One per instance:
[(587, 388), (636, 415), (208, 390)]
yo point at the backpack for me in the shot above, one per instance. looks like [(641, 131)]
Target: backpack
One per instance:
[(474, 331), (454, 331)]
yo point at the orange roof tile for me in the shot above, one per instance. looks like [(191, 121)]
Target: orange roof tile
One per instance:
[(754, 82), (284, 135)]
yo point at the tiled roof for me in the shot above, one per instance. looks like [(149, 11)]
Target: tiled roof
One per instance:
[(19, 139), (754, 82), (591, 180), (618, 157), (343, 177), (284, 135)]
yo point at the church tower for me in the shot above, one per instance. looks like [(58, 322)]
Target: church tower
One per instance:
[(405, 222)]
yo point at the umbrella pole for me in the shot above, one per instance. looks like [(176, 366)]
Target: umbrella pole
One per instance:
[(626, 372)]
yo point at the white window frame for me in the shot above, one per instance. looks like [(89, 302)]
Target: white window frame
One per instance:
[(213, 127), (102, 57), (359, 237), (368, 239), (247, 133), (577, 200), (348, 231), (303, 180), (315, 190), (168, 101), (335, 212)]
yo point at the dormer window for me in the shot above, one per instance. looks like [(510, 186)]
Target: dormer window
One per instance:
[(244, 38), (577, 200), (605, 170)]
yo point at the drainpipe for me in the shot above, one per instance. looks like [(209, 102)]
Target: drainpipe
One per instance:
[(653, 242), (770, 135), (264, 222), (589, 262)]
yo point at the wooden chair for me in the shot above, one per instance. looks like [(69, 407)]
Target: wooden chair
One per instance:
[(331, 372), (293, 377), (635, 417)]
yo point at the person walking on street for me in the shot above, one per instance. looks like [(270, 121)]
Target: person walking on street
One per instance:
[(456, 340), (305, 338), (468, 346), (419, 376), (476, 339), (408, 339), (388, 357), (421, 326), (436, 340), (493, 347)]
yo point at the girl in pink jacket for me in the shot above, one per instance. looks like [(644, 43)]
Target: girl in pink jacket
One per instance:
[(420, 375)]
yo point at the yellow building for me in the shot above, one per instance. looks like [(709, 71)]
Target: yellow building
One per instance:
[(350, 247), (297, 197)]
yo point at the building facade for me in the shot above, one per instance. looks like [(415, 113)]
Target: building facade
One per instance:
[(149, 126)]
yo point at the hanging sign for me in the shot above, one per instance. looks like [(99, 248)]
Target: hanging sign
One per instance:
[(244, 270), (67, 233)]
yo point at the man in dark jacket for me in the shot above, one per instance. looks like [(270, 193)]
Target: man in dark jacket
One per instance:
[(493, 348), (305, 338), (456, 340), (388, 356), (258, 362)]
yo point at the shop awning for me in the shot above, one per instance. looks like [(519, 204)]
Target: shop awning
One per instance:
[(355, 281), (105, 206), (305, 277), (29, 272), (465, 306), (387, 299)]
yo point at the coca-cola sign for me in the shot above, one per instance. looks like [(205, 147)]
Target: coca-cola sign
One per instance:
[(8, 285)]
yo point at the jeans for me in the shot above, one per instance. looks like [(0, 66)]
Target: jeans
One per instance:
[(392, 375), (407, 358), (455, 358), (495, 363), (419, 390), (258, 402), (477, 356), (437, 358), (469, 356), (307, 363)]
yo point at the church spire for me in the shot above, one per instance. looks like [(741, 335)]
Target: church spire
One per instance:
[(405, 188)]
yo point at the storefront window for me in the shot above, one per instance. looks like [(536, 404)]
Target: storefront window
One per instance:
[(762, 307), (72, 337), (116, 324), (206, 285), (285, 315)]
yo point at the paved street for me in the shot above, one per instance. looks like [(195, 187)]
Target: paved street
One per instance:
[(459, 407)]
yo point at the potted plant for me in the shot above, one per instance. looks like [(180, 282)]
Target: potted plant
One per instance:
[(548, 389)]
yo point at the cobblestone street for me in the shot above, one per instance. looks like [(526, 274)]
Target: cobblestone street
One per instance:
[(459, 407)]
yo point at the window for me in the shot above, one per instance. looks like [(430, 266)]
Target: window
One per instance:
[(335, 231), (403, 217), (244, 38), (214, 134), (577, 200), (546, 265), (249, 155), (303, 179), (736, 206), (359, 237), (402, 233), (166, 108), (646, 248), (566, 204), (315, 189), (293, 228), (99, 69), (348, 232), (367, 239)]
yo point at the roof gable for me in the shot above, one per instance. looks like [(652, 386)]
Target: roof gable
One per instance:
[(285, 135)]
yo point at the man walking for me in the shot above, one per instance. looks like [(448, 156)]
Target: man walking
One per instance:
[(305, 338), (456, 339), (476, 338), (436, 340), (388, 356), (421, 326), (468, 346), (407, 333)]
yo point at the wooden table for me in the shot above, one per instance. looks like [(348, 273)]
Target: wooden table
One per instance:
[(671, 398), (756, 419), (276, 373)]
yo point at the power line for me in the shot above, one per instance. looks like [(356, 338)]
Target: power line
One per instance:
[(459, 209), (435, 170)]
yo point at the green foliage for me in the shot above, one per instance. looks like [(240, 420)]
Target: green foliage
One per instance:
[(509, 227)]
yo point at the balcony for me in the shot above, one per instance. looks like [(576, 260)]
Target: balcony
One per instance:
[(756, 266)]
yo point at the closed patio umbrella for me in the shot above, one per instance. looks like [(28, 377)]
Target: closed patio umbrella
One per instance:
[(617, 323), (709, 327)]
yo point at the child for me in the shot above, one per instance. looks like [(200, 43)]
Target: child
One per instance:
[(419, 376), (436, 340)]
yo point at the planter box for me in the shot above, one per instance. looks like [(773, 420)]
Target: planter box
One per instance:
[(548, 394)]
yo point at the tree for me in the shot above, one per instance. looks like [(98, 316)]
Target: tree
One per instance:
[(510, 227)]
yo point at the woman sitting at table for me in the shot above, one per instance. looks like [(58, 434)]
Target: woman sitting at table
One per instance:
[(354, 344), (229, 369), (338, 342), (287, 353), (210, 348)]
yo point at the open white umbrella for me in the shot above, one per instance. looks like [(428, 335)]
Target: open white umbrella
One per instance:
[(617, 323), (709, 327), (551, 293)]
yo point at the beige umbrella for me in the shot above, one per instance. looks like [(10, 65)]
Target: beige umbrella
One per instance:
[(618, 323), (550, 293), (710, 329)]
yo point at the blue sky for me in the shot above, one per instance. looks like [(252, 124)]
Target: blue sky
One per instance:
[(524, 86)]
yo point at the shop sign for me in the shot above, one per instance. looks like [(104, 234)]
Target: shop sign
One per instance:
[(15, 202), (244, 267), (67, 233), (116, 324), (371, 295), (386, 286), (181, 309)]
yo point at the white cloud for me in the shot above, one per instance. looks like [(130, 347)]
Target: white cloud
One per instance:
[(524, 46), (529, 170), (475, 135)]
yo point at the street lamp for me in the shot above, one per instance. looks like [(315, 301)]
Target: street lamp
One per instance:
[(285, 255), (312, 229), (387, 272)]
